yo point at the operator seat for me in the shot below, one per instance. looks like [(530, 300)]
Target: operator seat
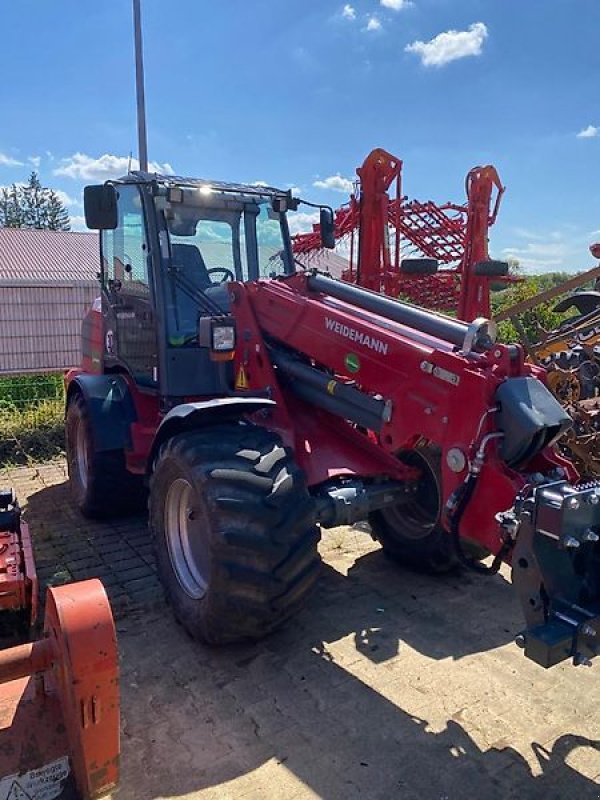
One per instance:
[(188, 261)]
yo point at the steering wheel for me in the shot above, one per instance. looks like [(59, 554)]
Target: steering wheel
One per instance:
[(227, 274)]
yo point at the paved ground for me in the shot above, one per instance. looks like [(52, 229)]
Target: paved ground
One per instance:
[(388, 685)]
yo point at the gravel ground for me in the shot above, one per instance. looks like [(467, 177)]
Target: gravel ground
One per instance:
[(388, 684)]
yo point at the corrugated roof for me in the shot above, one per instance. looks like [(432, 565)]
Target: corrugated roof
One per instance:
[(28, 254)]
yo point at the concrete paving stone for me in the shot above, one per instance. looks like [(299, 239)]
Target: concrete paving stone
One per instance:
[(317, 777), (139, 572), (128, 560), (141, 583), (268, 718), (429, 693), (247, 692)]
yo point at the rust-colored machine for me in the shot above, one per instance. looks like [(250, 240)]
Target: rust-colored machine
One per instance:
[(59, 702), (59, 695), (571, 355), (434, 254), (18, 578)]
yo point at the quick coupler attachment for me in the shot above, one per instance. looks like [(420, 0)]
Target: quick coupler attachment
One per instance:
[(556, 572)]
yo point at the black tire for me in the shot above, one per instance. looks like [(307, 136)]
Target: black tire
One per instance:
[(100, 485), (234, 529), (419, 266), (411, 533), (491, 269)]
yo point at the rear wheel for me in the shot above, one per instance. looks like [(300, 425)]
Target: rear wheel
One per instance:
[(99, 482), (234, 529), (411, 533)]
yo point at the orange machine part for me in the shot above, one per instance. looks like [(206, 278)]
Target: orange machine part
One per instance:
[(18, 579), (59, 702)]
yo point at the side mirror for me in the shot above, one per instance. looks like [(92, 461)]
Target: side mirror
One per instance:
[(100, 207), (327, 227)]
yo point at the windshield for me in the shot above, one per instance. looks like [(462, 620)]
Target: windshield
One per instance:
[(244, 239), (271, 250), (213, 239)]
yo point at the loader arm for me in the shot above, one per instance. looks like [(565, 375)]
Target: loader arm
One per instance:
[(360, 380)]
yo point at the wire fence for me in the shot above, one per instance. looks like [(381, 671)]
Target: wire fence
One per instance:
[(40, 338)]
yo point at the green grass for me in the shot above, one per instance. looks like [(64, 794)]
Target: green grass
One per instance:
[(31, 418)]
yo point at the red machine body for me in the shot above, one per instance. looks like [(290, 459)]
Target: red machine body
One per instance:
[(425, 382), (18, 578), (383, 231), (59, 701)]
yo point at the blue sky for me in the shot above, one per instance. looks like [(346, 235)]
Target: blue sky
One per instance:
[(297, 93)]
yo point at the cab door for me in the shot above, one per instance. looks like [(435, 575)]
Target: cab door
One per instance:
[(128, 308)]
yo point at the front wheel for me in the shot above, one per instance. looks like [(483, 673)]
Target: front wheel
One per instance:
[(234, 529)]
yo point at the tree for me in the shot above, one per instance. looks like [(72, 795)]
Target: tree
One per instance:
[(535, 320), (32, 205)]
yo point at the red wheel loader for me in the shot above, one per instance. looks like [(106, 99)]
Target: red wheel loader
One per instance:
[(257, 404)]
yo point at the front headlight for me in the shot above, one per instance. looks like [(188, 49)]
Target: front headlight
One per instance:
[(223, 338)]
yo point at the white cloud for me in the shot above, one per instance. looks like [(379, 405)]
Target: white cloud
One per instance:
[(35, 161), (302, 221), (66, 199), (348, 12), (83, 167), (450, 45), (373, 24), (395, 5), (537, 254), (9, 161), (335, 183), (589, 133), (259, 183), (78, 223), (7, 187)]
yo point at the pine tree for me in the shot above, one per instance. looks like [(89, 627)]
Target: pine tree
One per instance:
[(58, 216), (32, 205)]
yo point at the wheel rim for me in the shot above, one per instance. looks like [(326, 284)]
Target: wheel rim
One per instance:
[(185, 540), (81, 454), (417, 517)]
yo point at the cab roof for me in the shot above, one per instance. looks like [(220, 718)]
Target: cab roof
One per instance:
[(219, 186)]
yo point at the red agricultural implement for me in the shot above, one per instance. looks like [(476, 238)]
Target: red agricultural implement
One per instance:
[(258, 403), (18, 579), (435, 255), (59, 695), (59, 701)]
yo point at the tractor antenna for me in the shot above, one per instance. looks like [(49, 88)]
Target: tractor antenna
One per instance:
[(129, 162), (139, 86)]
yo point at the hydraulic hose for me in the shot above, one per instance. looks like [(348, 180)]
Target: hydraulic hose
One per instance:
[(456, 507)]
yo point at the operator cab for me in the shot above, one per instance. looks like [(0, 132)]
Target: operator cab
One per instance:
[(169, 248)]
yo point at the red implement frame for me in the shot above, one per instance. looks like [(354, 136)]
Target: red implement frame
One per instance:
[(388, 230), (59, 701), (18, 578)]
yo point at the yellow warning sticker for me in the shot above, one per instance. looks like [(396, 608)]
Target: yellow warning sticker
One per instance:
[(241, 381)]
